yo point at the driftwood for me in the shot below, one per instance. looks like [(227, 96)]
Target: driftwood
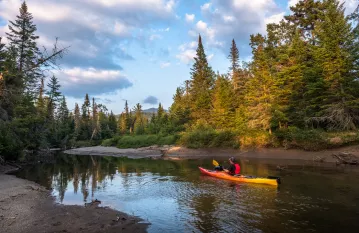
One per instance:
[(93, 203), (346, 158)]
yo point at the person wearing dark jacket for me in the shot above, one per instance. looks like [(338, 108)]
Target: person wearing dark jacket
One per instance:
[(234, 168)]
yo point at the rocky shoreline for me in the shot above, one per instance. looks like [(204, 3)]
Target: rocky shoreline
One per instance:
[(28, 207)]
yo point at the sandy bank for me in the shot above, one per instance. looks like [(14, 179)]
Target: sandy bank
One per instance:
[(28, 207), (174, 152)]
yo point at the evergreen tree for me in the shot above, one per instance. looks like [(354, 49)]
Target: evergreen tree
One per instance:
[(339, 108), (201, 84), (112, 123), (234, 69), (139, 123), (2, 58), (179, 110), (22, 39), (64, 122), (261, 91), (122, 124), (54, 95), (86, 131), (223, 109), (77, 119), (305, 15), (96, 127)]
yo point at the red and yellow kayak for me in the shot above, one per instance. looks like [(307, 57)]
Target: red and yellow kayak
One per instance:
[(257, 180)]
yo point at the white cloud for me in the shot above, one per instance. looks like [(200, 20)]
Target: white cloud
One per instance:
[(206, 6), (77, 81), (186, 56), (292, 2), (274, 18), (165, 64), (190, 45), (190, 17), (203, 28), (223, 20)]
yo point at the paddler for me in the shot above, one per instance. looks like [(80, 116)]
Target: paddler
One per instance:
[(234, 168)]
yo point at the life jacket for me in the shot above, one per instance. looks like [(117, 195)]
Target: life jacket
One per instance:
[(238, 169)]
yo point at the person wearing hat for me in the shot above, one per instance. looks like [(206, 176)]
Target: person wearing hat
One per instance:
[(234, 168)]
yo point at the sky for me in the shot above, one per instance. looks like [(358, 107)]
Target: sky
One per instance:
[(142, 50)]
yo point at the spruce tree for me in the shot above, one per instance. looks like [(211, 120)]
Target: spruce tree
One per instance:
[(139, 124), (201, 85), (261, 91), (234, 69), (54, 95), (77, 119), (22, 39), (305, 15), (112, 123), (223, 109), (333, 57)]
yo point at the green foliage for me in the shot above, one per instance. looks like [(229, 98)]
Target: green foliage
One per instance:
[(202, 135), (138, 141), (201, 84)]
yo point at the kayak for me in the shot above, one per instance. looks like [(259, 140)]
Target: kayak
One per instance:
[(248, 179)]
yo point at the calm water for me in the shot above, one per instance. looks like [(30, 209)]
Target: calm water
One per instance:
[(174, 197)]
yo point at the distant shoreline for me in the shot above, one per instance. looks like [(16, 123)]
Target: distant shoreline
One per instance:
[(176, 152)]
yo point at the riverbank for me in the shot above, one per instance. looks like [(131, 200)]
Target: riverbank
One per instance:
[(28, 207), (175, 152)]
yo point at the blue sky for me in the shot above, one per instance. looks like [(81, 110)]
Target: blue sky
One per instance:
[(142, 50)]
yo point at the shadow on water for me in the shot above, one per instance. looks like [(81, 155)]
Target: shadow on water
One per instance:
[(174, 197)]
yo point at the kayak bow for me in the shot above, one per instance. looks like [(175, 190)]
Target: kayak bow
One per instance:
[(248, 179)]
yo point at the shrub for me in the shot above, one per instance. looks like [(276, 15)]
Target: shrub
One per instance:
[(137, 141), (256, 139)]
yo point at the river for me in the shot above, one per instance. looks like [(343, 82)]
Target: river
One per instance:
[(174, 197)]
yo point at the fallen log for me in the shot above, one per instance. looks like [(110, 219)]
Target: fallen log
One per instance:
[(346, 158)]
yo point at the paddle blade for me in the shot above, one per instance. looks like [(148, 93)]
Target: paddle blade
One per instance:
[(215, 163)]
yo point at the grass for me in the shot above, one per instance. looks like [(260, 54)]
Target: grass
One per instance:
[(137, 141), (290, 138)]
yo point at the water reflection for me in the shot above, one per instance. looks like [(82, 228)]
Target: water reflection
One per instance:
[(174, 197)]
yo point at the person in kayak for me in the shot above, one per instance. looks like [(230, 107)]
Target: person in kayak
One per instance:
[(234, 168)]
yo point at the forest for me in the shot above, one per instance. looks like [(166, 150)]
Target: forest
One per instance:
[(300, 90)]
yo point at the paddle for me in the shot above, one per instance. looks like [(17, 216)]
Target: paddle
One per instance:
[(216, 164)]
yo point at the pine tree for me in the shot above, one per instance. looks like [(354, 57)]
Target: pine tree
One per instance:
[(96, 127), (305, 15), (261, 90), (223, 109), (339, 108), (122, 124), (64, 122), (139, 124), (77, 119), (112, 123), (54, 95), (201, 84), (179, 110), (234, 69), (23, 39), (85, 119)]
